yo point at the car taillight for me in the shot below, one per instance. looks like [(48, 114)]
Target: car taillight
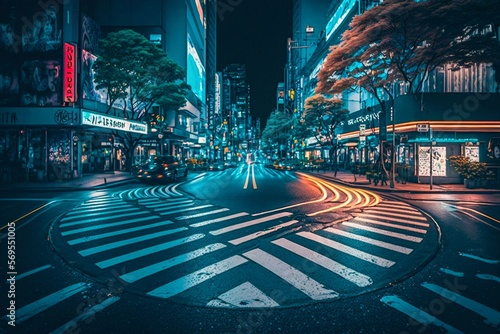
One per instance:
[(165, 166)]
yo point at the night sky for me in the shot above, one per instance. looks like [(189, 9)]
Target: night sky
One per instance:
[(254, 33)]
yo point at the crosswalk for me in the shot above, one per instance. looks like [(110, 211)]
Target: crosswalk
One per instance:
[(450, 296), (174, 248), (171, 245)]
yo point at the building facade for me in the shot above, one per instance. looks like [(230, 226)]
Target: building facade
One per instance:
[(52, 118), (453, 115)]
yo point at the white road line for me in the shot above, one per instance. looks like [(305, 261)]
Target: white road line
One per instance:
[(80, 211), (492, 316), (115, 233), (34, 271), (185, 205), (250, 223), (30, 310), (89, 313), (422, 317), (383, 244), (202, 214), (348, 250), (383, 232), (147, 251), (117, 244), (261, 233), (91, 214), (221, 219), (244, 295), (168, 212), (99, 227), (408, 221), (186, 282), (397, 226), (394, 210), (169, 263), (168, 204), (102, 218), (347, 273), (299, 280), (103, 201)]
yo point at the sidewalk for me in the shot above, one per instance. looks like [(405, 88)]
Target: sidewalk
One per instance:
[(409, 187), (109, 179), (86, 182)]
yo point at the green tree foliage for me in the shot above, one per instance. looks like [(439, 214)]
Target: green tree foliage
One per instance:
[(278, 128), (403, 40), (321, 117), (136, 71)]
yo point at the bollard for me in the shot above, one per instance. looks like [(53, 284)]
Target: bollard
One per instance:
[(105, 182)]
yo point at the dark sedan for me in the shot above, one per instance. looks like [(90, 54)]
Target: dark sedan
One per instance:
[(162, 167)]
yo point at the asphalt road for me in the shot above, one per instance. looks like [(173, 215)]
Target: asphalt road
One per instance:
[(250, 250)]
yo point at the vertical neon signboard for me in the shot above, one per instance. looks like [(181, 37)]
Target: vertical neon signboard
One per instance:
[(69, 84)]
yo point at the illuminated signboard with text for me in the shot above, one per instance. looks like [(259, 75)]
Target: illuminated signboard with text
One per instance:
[(69, 78), (112, 123)]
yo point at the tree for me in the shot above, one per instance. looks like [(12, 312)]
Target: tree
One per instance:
[(136, 71), (278, 129), (404, 40), (321, 117)]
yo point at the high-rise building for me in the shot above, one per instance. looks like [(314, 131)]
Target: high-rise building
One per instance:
[(44, 115), (236, 106)]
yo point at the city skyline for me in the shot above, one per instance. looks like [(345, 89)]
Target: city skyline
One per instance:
[(254, 33)]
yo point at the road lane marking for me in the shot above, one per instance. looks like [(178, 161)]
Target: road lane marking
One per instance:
[(186, 282), (474, 257), (244, 295), (392, 217), (169, 212), (167, 207), (322, 198), (422, 317), (349, 274), (115, 233), (102, 218), (87, 314), (259, 234), (169, 263), (86, 214), (201, 214), (397, 226), (383, 232), (34, 271), (405, 211), (30, 310), (492, 316), (148, 250), (250, 170), (117, 244), (299, 280), (168, 204), (348, 250), (24, 216), (99, 227), (250, 223), (383, 244), (221, 219)]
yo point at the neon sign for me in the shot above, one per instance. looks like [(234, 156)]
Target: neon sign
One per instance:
[(69, 78)]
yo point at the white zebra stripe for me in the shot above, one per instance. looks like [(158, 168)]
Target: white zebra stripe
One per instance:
[(160, 266), (186, 282), (147, 251), (346, 273), (117, 244), (348, 250), (384, 232), (383, 244), (291, 275)]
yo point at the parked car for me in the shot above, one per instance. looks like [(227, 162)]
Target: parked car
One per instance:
[(162, 167)]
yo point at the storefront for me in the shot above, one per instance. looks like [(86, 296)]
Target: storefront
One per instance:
[(39, 144), (448, 124)]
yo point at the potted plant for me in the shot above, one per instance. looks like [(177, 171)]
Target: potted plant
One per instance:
[(472, 171)]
